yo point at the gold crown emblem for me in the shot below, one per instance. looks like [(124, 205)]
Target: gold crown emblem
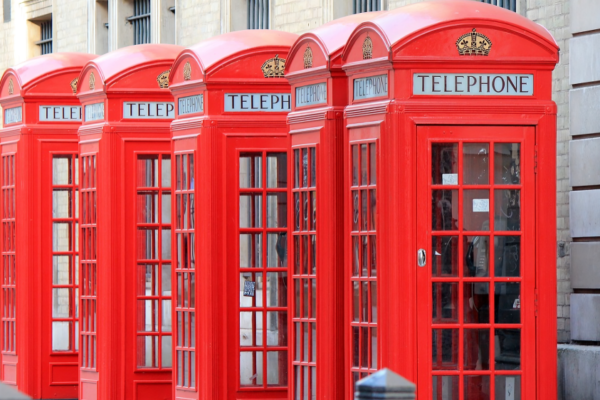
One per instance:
[(367, 48), (187, 71), (74, 85), (273, 67), (163, 79), (11, 87), (308, 57), (473, 44), (92, 81)]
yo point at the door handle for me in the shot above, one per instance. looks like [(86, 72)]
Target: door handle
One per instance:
[(421, 258)]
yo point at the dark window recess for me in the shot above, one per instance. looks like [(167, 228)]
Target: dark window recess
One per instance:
[(46, 37), (258, 14), (6, 10), (172, 9), (141, 21), (508, 4), (361, 6)]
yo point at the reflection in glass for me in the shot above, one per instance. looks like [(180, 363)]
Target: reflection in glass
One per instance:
[(277, 368), (444, 210), (166, 171), (251, 368), (507, 163), (251, 328), (476, 210), (147, 171), (444, 349), (61, 170), (61, 336), (61, 236), (250, 211), (247, 300), (508, 349), (61, 203), (444, 163), (166, 356), (508, 302), (444, 250), (477, 254), (61, 270), (476, 349), (476, 167), (445, 302), (476, 302), (508, 387), (250, 250), (250, 170), (276, 328), (277, 249), (277, 170), (276, 289), (507, 204), (477, 387), (507, 255), (276, 210), (61, 303)]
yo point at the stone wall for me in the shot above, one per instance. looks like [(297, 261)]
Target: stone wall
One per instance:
[(197, 20), (70, 21)]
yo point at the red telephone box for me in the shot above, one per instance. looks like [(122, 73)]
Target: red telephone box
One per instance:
[(230, 149), (450, 163), (319, 95), (39, 225), (125, 157)]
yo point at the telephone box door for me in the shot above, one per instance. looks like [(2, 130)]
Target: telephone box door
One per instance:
[(257, 250), (476, 262)]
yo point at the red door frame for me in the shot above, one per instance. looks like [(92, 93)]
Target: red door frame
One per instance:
[(428, 45), (426, 135), (34, 139)]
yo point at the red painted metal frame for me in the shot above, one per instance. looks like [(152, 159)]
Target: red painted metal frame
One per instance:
[(421, 38), (128, 74), (320, 127), (32, 144), (226, 63)]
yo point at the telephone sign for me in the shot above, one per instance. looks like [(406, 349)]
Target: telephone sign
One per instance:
[(473, 84), (60, 113), (253, 102), (148, 110)]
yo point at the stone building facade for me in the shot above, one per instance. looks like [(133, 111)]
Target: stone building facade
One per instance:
[(99, 26)]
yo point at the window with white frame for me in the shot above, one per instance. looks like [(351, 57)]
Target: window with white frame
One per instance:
[(45, 41), (258, 14)]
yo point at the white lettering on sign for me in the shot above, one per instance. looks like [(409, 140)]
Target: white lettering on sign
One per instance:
[(148, 110), (13, 115), (372, 86), (60, 113), (253, 102), (191, 104), (481, 205), (94, 112), (473, 84), (311, 94)]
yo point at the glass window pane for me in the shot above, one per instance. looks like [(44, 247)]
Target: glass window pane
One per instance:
[(250, 211), (147, 171), (166, 172), (147, 207), (445, 302), (61, 204), (507, 163), (147, 244), (477, 254), (444, 349), (166, 325), (247, 298), (61, 336), (444, 163), (277, 250), (508, 303), (444, 251), (251, 328), (276, 210), (61, 303), (355, 165), (507, 204), (508, 387), (313, 167), (476, 163), (507, 255), (277, 328), (276, 289), (277, 368), (147, 352), (192, 179), (277, 170), (373, 163), (61, 270), (250, 250), (304, 180), (508, 355), (251, 368), (477, 387), (167, 350), (374, 348), (61, 236), (166, 280), (166, 244), (61, 170), (147, 280), (250, 170), (147, 316), (444, 208), (166, 208), (476, 302), (476, 210), (296, 168), (363, 165)]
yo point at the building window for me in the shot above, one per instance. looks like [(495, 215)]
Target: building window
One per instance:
[(361, 6), (305, 273), (141, 21), (6, 11), (46, 37), (153, 269), (258, 14), (65, 259), (508, 4), (364, 260)]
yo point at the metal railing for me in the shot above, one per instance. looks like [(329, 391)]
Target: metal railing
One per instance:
[(508, 4), (141, 21), (258, 14), (361, 6), (46, 37)]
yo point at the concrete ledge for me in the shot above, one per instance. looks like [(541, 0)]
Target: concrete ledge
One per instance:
[(585, 265), (584, 213), (584, 58), (578, 372), (584, 162), (585, 317), (583, 106), (584, 15)]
